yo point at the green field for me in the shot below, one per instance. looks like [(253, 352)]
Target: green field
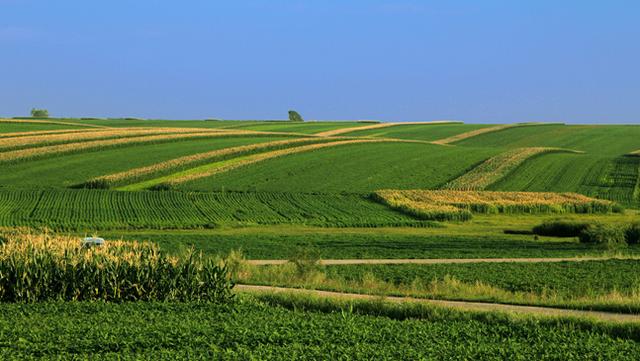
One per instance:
[(428, 132), (164, 331), (301, 202), (351, 168)]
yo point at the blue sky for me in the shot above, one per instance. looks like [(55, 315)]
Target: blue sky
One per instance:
[(476, 61)]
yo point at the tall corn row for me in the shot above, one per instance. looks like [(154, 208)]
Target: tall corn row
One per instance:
[(39, 267)]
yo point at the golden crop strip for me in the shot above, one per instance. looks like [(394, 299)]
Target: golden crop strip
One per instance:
[(495, 168), (333, 132), (428, 201), (23, 242), (35, 121), (473, 133), (47, 132), (91, 135), (189, 159), (265, 156), (97, 144)]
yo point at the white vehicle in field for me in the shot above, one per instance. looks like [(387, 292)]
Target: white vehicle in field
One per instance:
[(88, 242)]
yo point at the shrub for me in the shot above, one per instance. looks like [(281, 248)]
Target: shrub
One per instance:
[(39, 113), (295, 116), (610, 236), (560, 228), (632, 233)]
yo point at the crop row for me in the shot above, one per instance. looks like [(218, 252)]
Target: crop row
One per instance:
[(495, 168), (102, 209), (88, 135), (458, 205), (255, 330), (209, 170), (31, 153), (135, 174), (473, 133), (38, 121), (43, 267)]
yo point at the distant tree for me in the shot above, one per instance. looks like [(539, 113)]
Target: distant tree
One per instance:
[(295, 116), (39, 113)]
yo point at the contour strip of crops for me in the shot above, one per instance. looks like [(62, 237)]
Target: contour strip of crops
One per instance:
[(243, 161), (101, 209), (476, 132), (49, 139), (35, 121), (333, 132), (497, 167), (176, 163), (46, 132), (458, 205), (31, 153)]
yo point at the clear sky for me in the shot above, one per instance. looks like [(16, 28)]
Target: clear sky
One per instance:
[(476, 61)]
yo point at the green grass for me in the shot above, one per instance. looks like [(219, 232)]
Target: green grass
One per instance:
[(100, 209), (354, 168), (428, 132), (251, 330), (71, 169)]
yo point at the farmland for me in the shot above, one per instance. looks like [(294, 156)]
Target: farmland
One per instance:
[(188, 208)]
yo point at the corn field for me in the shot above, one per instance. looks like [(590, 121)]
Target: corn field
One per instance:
[(41, 266), (459, 205)]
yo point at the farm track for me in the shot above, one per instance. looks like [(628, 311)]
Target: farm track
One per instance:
[(428, 261), (459, 305)]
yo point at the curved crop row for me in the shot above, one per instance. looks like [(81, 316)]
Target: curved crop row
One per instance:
[(31, 153), (48, 132), (92, 134), (130, 175), (494, 168), (36, 121), (476, 132), (374, 126), (103, 209), (458, 205), (215, 168)]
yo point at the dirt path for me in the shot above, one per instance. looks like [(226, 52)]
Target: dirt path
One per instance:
[(329, 262), (460, 305)]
